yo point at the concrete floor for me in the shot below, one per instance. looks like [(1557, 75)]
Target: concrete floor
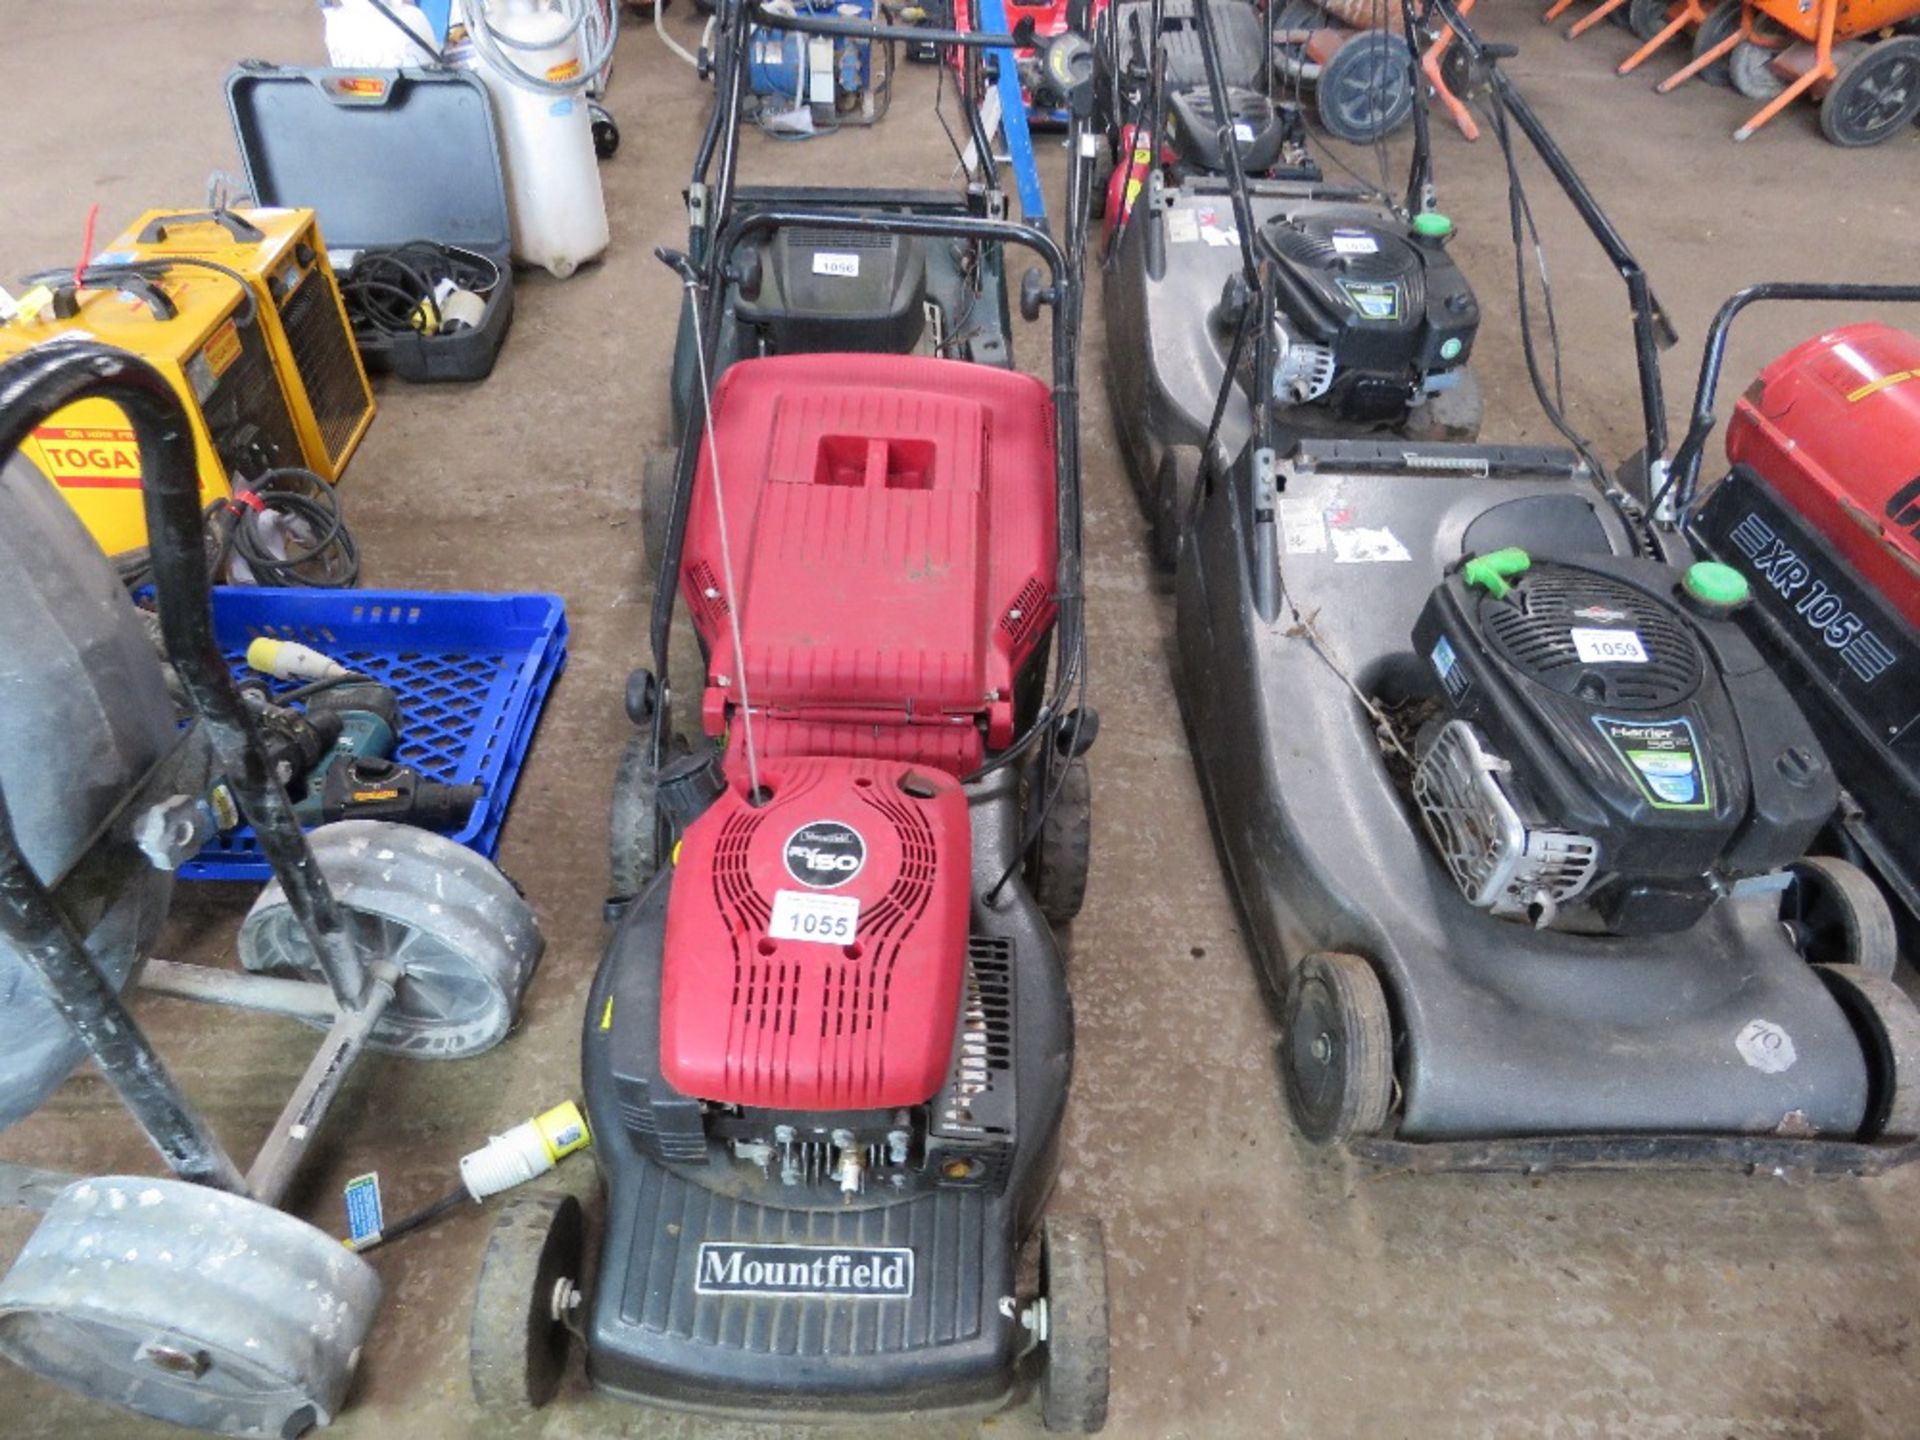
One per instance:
[(1259, 1287)]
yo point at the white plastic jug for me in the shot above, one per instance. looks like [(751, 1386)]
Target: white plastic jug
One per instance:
[(546, 133)]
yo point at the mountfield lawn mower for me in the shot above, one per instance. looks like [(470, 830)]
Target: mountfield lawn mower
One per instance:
[(1513, 806), (1821, 513), (192, 1300), (1368, 321), (828, 1049)]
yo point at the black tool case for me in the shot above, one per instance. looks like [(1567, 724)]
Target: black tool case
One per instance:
[(385, 157)]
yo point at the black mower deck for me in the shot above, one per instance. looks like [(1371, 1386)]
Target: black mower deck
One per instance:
[(1503, 1030)]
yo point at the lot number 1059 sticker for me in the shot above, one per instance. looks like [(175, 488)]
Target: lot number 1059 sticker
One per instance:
[(1608, 647), (823, 919)]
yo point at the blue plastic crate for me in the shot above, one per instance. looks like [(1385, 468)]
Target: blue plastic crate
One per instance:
[(471, 672)]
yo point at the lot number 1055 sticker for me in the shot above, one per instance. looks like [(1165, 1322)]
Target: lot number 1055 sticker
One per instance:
[(823, 919)]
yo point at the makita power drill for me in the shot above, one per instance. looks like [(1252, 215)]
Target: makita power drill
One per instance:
[(335, 759)]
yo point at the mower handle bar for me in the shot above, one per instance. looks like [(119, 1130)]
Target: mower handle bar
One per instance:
[(1065, 300), (1684, 477), (1652, 330), (38, 384)]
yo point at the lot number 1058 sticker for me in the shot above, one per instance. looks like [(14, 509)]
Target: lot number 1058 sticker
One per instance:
[(823, 919)]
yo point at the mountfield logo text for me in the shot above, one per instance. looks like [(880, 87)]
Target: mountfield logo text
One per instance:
[(859, 1273)]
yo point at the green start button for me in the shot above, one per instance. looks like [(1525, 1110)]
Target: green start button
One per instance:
[(1432, 224), (1712, 583)]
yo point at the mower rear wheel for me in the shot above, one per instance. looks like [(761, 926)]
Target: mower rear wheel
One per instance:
[(656, 505), (1173, 490), (1336, 1047), (1064, 852), (1074, 1382), (1647, 18), (528, 1295), (1875, 96), (1836, 915), (1888, 1025), (1365, 92), (1723, 20)]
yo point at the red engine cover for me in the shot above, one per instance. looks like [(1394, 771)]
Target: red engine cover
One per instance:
[(1833, 427), (892, 520), (816, 945)]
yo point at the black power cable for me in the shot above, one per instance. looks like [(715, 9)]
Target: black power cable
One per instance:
[(307, 544), (390, 288)]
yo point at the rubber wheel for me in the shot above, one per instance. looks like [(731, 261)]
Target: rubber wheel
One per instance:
[(1750, 66), (1876, 96), (1364, 91), (466, 941), (656, 505), (1723, 20), (183, 1303), (1888, 1025), (633, 839), (1835, 915), (606, 134), (1173, 490), (1074, 1380), (1065, 849), (517, 1345), (1337, 1048), (1647, 18)]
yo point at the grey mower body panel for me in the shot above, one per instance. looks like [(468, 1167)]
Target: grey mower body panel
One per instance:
[(1502, 1030)]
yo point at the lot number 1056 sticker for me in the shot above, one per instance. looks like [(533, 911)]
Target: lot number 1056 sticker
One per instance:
[(823, 919)]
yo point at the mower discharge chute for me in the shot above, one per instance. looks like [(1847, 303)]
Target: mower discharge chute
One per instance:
[(1369, 323), (827, 1051), (1514, 807)]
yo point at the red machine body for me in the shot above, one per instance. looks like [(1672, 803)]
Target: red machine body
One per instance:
[(816, 944), (893, 523), (1049, 19), (1833, 427)]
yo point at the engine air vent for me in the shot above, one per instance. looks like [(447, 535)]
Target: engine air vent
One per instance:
[(1532, 629)]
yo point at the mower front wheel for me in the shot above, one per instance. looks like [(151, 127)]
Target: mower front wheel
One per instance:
[(1876, 96), (1074, 1382), (1064, 852), (525, 1306), (1336, 1048), (1888, 1026)]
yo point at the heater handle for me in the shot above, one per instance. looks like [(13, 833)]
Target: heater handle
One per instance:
[(236, 225)]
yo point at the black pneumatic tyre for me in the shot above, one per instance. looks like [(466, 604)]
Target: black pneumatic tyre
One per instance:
[(1074, 1381), (1836, 915), (517, 1346), (1888, 1026), (1646, 18), (656, 504), (1336, 1048), (1723, 20), (1365, 91), (633, 828), (1064, 852), (1876, 96)]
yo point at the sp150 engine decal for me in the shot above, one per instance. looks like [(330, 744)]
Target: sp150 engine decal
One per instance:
[(1811, 598), (1664, 756), (819, 1272)]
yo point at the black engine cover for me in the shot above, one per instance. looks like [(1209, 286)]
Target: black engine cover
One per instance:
[(827, 290), (1390, 304), (1656, 731)]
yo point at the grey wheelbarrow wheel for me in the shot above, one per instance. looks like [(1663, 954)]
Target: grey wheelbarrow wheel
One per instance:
[(188, 1305), (467, 943)]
